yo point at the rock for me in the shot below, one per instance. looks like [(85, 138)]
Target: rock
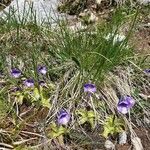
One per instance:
[(4, 4), (77, 26), (109, 145), (98, 2), (136, 141), (45, 10), (123, 138), (88, 17)]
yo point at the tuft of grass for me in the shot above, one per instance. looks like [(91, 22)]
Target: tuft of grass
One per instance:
[(73, 58)]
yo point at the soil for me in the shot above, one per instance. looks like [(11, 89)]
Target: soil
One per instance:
[(123, 147), (93, 139), (141, 36), (144, 135), (141, 41)]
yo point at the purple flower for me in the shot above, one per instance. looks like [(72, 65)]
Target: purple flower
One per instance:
[(63, 117), (147, 71), (16, 73), (42, 70), (125, 104), (29, 82), (90, 88)]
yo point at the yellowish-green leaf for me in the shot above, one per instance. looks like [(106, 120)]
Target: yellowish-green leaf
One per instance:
[(45, 103), (51, 86), (91, 121), (112, 125), (83, 120), (105, 133), (53, 127), (56, 131), (36, 93), (82, 113), (20, 99), (91, 114)]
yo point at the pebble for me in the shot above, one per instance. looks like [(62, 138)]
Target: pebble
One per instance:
[(137, 145), (123, 138), (109, 145)]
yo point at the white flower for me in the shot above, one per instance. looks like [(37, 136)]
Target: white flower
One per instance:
[(116, 38)]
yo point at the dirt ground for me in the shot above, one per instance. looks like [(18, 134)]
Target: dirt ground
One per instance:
[(141, 39), (141, 42), (144, 135)]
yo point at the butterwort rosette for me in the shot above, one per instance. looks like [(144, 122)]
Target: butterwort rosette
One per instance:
[(16, 73), (29, 83), (89, 88), (125, 104), (63, 117), (42, 70)]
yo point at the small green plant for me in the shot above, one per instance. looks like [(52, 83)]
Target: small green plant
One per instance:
[(86, 116), (112, 126), (34, 96), (56, 131)]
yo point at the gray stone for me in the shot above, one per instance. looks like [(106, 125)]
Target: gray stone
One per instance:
[(45, 10)]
